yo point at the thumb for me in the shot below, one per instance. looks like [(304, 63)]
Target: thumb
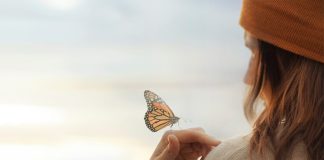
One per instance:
[(172, 150)]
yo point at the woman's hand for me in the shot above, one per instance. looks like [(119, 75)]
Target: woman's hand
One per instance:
[(188, 144)]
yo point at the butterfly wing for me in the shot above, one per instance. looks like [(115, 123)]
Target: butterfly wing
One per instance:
[(154, 101), (159, 114), (156, 119)]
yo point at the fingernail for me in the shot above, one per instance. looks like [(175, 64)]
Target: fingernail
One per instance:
[(169, 138), (169, 144), (173, 138)]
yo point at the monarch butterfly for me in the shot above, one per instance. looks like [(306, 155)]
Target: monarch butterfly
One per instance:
[(159, 114)]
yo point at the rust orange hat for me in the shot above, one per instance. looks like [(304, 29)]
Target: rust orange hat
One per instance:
[(294, 25)]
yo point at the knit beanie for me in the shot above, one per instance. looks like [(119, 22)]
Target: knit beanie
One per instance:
[(293, 25)]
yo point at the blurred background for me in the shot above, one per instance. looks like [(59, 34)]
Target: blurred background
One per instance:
[(73, 73)]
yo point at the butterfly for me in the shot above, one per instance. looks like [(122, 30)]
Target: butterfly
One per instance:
[(159, 114)]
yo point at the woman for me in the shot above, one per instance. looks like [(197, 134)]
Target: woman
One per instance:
[(286, 71)]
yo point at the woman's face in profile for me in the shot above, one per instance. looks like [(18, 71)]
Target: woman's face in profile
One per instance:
[(251, 42)]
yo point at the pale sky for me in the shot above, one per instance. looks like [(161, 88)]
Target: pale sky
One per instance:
[(133, 22), (73, 74)]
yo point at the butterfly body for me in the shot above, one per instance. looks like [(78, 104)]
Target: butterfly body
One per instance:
[(159, 114)]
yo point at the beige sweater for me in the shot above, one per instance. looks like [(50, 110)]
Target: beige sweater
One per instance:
[(238, 149)]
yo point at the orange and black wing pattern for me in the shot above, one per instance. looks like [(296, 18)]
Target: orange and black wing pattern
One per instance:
[(159, 114)]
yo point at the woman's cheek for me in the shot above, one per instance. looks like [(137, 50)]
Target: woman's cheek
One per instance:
[(248, 78)]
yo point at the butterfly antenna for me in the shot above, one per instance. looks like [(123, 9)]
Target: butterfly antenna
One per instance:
[(187, 120)]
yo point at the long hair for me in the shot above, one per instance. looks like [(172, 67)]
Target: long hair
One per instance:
[(295, 112)]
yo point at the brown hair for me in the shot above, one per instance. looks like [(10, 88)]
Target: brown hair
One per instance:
[(295, 112)]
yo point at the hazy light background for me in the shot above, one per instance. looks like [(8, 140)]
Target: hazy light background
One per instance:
[(73, 74)]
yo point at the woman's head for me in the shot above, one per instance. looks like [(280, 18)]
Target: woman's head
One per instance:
[(293, 89), (287, 71)]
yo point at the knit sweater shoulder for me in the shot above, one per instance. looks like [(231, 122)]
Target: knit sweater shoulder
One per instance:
[(238, 149)]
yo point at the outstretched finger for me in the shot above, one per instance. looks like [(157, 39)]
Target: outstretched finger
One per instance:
[(172, 149)]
